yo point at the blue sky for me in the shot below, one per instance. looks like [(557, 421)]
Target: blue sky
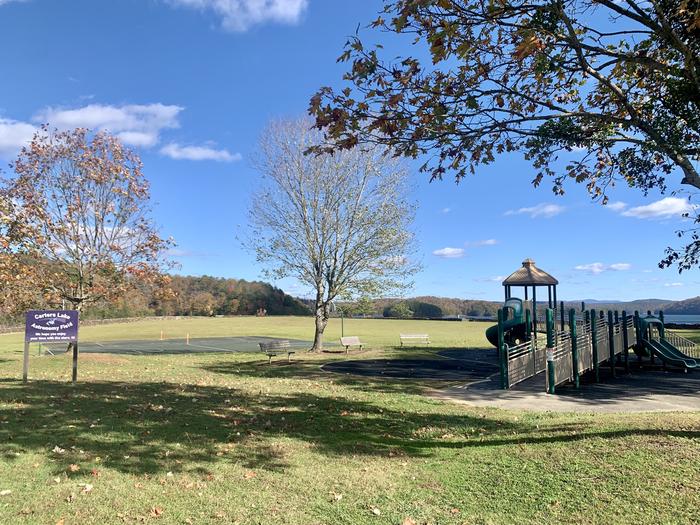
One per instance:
[(190, 84)]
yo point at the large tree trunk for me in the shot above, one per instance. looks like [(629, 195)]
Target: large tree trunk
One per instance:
[(321, 322)]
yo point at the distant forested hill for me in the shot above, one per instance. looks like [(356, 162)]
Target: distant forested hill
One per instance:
[(204, 295), (687, 307), (641, 305), (436, 307)]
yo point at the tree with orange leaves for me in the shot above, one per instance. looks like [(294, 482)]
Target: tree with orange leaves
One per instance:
[(77, 217)]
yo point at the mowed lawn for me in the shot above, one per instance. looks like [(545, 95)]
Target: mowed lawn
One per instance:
[(226, 438)]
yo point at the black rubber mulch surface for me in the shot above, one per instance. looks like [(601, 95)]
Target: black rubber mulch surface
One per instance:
[(441, 369), (479, 354)]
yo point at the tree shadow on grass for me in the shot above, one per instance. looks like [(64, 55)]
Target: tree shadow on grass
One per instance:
[(312, 371), (154, 427)]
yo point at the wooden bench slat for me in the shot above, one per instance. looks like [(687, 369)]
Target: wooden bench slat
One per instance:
[(422, 338), (274, 348), (351, 340)]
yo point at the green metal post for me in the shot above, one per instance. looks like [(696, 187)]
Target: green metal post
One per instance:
[(574, 346), (618, 358), (611, 342), (662, 330), (638, 335), (502, 351), (594, 341), (561, 315), (625, 342), (528, 325), (550, 350)]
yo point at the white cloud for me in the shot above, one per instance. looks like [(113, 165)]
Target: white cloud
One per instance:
[(446, 210), (617, 205), (449, 253), (598, 267), (485, 242), (540, 210), (661, 209), (673, 285), (14, 135), (134, 124), (178, 152), (620, 266), (2, 2), (494, 279), (239, 15)]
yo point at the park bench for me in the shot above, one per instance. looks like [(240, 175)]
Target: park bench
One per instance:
[(351, 340), (415, 338), (275, 348)]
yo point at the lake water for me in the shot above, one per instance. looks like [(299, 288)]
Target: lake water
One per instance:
[(682, 319)]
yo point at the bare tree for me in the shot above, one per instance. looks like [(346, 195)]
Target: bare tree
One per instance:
[(83, 203), (339, 224)]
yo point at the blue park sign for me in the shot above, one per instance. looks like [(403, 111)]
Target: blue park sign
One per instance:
[(47, 326)]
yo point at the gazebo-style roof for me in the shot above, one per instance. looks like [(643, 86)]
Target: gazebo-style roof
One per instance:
[(529, 275)]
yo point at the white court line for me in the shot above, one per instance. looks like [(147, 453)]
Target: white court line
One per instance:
[(214, 348)]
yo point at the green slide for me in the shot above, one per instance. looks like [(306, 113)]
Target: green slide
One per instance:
[(513, 332), (514, 329), (669, 354)]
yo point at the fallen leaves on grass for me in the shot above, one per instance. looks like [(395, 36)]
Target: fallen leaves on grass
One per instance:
[(156, 512), (73, 467), (376, 511), (249, 475), (409, 521), (5, 492)]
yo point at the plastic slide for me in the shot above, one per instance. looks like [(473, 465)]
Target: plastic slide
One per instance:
[(513, 330), (669, 354)]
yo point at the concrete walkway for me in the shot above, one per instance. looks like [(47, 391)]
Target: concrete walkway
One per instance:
[(643, 390)]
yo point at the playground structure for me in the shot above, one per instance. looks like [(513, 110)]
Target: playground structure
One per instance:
[(584, 341), (576, 342)]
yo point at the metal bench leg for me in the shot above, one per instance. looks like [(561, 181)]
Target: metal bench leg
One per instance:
[(269, 360), (289, 358)]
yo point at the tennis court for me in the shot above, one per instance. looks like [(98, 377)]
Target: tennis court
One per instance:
[(172, 346)]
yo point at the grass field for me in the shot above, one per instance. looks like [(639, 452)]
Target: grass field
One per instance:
[(225, 438)]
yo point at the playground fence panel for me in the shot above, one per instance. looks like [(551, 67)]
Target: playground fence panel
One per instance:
[(522, 363), (563, 362), (585, 351), (618, 338), (630, 331), (540, 358), (603, 340)]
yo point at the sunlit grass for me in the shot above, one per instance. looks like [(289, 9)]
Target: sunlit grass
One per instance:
[(226, 438)]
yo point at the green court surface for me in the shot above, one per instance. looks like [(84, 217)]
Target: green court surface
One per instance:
[(173, 346)]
